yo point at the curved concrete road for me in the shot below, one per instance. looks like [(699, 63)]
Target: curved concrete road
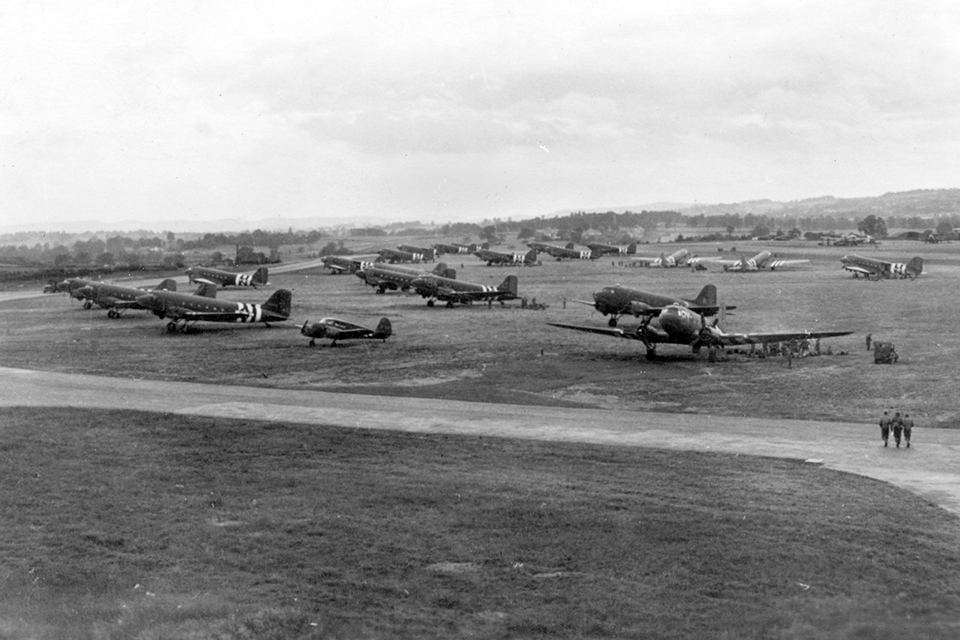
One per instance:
[(931, 468)]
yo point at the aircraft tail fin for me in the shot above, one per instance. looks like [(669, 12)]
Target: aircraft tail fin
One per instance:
[(260, 276), (384, 329), (632, 248), (168, 285), (707, 297), (531, 256), (279, 303), (206, 290), (450, 274), (440, 269), (509, 284), (915, 266), (570, 245)]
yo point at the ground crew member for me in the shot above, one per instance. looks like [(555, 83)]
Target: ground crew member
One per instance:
[(907, 428), (885, 422), (897, 428), (869, 338)]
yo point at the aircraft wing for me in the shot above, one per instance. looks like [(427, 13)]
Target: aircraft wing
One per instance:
[(614, 332), (646, 261), (858, 269), (737, 339), (651, 333), (776, 264)]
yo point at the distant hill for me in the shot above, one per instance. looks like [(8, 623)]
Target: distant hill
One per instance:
[(919, 202)]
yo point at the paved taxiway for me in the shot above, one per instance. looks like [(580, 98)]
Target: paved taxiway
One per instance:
[(930, 468)]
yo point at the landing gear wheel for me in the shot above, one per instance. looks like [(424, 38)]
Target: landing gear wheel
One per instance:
[(171, 327), (430, 303), (612, 321), (87, 304)]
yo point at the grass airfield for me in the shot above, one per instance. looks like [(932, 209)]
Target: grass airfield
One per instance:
[(231, 526)]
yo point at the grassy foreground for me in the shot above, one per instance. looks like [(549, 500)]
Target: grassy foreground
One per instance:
[(136, 525)]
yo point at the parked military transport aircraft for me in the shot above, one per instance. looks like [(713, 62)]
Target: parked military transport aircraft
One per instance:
[(560, 253), (456, 291), (396, 255), (496, 257), (391, 276), (676, 259), (335, 329), (600, 249), (116, 298), (429, 253), (72, 287), (455, 247), (182, 309), (339, 264), (873, 268), (618, 300), (763, 260), (677, 324), (228, 278)]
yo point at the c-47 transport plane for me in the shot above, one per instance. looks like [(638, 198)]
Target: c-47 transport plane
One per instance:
[(227, 278), (335, 329), (676, 324), (763, 260), (560, 253), (873, 268), (396, 255), (391, 276), (73, 287), (618, 300), (116, 298), (339, 265), (496, 257), (455, 247), (182, 309), (456, 291), (600, 249), (428, 253)]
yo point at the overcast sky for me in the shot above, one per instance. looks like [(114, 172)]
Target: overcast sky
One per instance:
[(446, 111)]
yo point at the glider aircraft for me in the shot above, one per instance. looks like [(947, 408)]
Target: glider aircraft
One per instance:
[(763, 260), (227, 278), (182, 309), (456, 291), (873, 268), (335, 329), (676, 259)]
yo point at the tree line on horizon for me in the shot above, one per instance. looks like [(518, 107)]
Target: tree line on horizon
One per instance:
[(166, 249)]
